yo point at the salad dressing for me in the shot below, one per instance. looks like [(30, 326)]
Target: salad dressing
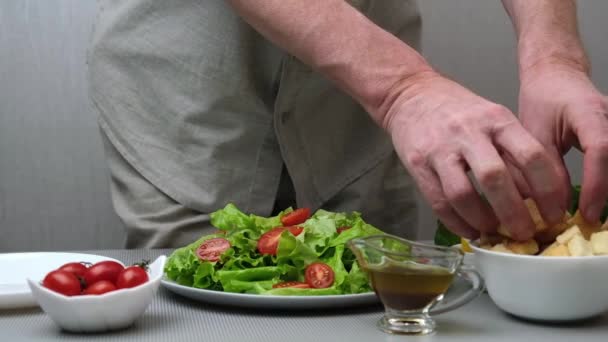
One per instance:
[(409, 288)]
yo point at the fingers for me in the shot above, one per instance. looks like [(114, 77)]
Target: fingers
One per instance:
[(539, 169), (592, 135), (431, 189), (499, 188), (562, 171), (594, 191), (463, 197), (518, 177)]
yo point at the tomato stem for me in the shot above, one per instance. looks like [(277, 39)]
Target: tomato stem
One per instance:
[(144, 263)]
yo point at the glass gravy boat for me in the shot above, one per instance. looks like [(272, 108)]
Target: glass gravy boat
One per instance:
[(410, 278)]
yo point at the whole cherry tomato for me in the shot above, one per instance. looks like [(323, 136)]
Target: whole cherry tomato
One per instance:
[(62, 282), (103, 270), (99, 288), (76, 268), (131, 276)]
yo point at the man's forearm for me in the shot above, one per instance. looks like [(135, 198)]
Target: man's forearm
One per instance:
[(335, 39), (547, 32)]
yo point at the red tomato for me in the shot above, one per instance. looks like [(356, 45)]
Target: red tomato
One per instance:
[(131, 276), (76, 268), (103, 270), (99, 288), (294, 284), (211, 249), (296, 217), (341, 229), (269, 241), (319, 275), (62, 282), (295, 230)]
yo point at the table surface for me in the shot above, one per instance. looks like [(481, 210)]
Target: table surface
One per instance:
[(173, 318)]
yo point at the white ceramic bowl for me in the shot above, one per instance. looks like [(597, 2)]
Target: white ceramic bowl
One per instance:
[(545, 288), (110, 311)]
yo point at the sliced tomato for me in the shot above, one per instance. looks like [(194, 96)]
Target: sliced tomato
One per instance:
[(212, 249), (319, 275), (269, 241), (295, 230), (293, 284), (296, 217), (341, 229)]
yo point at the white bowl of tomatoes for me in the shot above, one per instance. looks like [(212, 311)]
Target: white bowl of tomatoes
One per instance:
[(100, 297)]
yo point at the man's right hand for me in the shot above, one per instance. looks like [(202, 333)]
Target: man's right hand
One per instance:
[(441, 130)]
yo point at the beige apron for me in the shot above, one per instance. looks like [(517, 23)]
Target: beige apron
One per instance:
[(196, 110)]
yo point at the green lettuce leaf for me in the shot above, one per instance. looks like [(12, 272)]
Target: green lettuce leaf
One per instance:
[(183, 263), (286, 291), (356, 281), (444, 237), (252, 280), (243, 269)]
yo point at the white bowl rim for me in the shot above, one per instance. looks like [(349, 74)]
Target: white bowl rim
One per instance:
[(87, 298), (536, 257)]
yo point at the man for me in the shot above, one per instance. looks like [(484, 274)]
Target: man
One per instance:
[(273, 103)]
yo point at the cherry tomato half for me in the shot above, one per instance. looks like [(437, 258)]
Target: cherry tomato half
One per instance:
[(103, 270), (295, 230), (99, 288), (296, 217), (76, 268), (341, 229), (293, 284), (62, 282), (269, 241), (131, 276), (211, 249), (319, 275)]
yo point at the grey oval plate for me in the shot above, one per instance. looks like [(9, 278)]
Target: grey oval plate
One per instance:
[(253, 301)]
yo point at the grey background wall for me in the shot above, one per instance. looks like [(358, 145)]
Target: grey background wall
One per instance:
[(53, 180)]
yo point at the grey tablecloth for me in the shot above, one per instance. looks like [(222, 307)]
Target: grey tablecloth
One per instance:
[(172, 318)]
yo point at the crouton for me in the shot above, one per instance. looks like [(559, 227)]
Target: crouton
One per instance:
[(529, 247), (566, 236), (599, 243), (556, 249), (586, 228), (578, 246), (501, 248)]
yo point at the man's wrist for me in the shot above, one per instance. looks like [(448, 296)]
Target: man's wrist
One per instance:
[(571, 56), (405, 90)]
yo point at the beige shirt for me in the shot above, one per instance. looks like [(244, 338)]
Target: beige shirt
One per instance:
[(207, 112)]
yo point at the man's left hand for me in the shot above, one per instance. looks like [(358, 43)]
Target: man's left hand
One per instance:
[(561, 108)]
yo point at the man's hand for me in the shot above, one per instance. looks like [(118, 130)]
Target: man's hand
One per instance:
[(440, 130), (560, 106)]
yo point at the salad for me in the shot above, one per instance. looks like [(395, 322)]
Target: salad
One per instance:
[(292, 253)]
